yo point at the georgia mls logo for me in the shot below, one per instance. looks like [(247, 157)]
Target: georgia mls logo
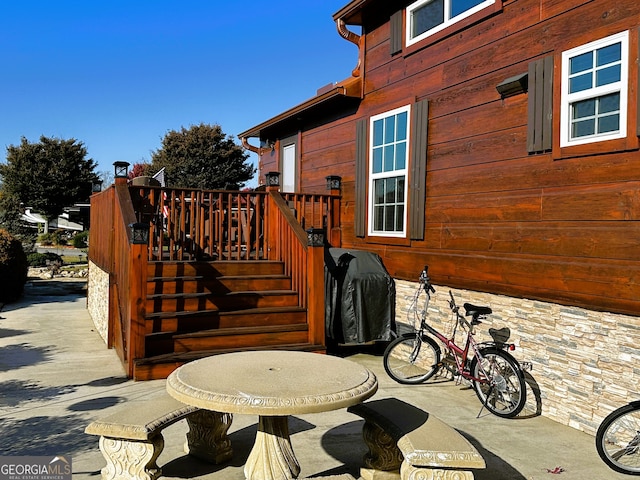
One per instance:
[(35, 468)]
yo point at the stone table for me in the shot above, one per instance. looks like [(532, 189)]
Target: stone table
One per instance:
[(273, 385)]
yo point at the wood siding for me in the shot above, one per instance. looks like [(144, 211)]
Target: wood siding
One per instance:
[(507, 211)]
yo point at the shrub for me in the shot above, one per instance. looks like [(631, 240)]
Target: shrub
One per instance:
[(47, 239), (13, 268), (36, 259), (80, 240)]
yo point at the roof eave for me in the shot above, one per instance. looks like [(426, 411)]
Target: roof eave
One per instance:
[(350, 88)]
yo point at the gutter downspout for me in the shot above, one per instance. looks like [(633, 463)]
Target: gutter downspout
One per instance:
[(357, 40), (251, 148)]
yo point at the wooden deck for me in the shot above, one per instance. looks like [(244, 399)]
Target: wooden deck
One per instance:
[(222, 271)]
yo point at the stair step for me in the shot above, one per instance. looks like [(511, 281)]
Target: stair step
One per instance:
[(227, 301), (202, 284), (178, 322), (244, 337), (160, 366), (214, 269)]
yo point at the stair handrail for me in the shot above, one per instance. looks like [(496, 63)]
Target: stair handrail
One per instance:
[(289, 243)]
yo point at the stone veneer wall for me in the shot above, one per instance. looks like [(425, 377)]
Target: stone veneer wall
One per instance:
[(98, 299), (585, 363)]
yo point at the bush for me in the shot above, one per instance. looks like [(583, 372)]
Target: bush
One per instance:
[(80, 240), (13, 268), (36, 259)]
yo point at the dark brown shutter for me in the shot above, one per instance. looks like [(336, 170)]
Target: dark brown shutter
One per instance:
[(418, 179), (361, 178), (396, 33), (540, 105), (638, 98)]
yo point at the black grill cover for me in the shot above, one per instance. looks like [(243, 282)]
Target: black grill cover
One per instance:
[(360, 297)]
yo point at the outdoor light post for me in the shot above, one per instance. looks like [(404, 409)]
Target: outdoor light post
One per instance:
[(121, 171), (139, 233)]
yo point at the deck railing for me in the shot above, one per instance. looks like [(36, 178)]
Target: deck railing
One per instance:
[(111, 248), (192, 224)]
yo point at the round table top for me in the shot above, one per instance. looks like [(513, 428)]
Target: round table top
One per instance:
[(271, 382)]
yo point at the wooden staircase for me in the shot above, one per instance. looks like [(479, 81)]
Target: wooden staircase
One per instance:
[(198, 309)]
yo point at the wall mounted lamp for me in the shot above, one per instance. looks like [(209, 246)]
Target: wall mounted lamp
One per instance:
[(513, 85)]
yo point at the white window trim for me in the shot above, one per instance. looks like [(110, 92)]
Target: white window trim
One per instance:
[(409, 11), (622, 86), (395, 173)]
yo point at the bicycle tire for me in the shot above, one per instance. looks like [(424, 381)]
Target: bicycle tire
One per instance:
[(507, 391), (410, 360), (618, 439)]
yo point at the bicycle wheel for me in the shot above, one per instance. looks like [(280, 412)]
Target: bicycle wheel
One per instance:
[(618, 439), (506, 389), (410, 360)]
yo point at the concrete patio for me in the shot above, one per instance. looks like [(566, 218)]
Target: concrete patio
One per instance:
[(57, 376)]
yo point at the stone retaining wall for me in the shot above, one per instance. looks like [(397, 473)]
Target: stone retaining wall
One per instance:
[(586, 363), (98, 299)]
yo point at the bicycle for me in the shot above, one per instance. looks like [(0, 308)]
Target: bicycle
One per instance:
[(618, 439), (497, 377)]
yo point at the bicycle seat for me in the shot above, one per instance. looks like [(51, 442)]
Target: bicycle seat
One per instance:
[(475, 311)]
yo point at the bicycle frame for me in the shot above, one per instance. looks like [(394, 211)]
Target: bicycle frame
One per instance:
[(460, 355)]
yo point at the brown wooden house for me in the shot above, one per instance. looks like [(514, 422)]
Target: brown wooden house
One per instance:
[(498, 143)]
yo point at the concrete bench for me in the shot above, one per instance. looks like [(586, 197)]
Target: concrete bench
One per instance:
[(131, 438), (408, 443)]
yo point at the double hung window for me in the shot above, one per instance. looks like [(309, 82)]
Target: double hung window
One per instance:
[(594, 91), (426, 17), (389, 137)]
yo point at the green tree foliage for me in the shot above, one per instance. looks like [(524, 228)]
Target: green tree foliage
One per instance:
[(202, 156), (48, 175), (13, 268)]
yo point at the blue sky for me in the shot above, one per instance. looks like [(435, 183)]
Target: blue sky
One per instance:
[(118, 75)]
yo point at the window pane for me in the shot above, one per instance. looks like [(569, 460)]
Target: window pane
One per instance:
[(583, 128), (400, 188), (389, 218), (378, 218), (609, 103), (581, 63), (390, 191), (610, 54), (388, 158), (379, 192), (581, 82), (401, 126), (586, 108), (401, 155), (377, 160), (399, 217), (389, 129), (609, 123), (461, 6), (608, 75), (426, 17), (378, 126)]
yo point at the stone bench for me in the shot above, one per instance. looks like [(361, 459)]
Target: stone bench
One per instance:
[(408, 443), (131, 438)]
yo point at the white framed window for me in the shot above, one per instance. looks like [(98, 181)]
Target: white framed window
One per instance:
[(594, 91), (426, 17), (388, 168)]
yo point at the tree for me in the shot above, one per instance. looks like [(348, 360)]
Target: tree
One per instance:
[(48, 175), (202, 156)]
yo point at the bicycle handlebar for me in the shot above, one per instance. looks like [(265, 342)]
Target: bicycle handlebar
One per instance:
[(426, 281)]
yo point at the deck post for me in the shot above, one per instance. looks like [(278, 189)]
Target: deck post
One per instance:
[(273, 187), (334, 185), (315, 285)]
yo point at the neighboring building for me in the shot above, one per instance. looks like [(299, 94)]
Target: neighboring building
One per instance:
[(498, 143)]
